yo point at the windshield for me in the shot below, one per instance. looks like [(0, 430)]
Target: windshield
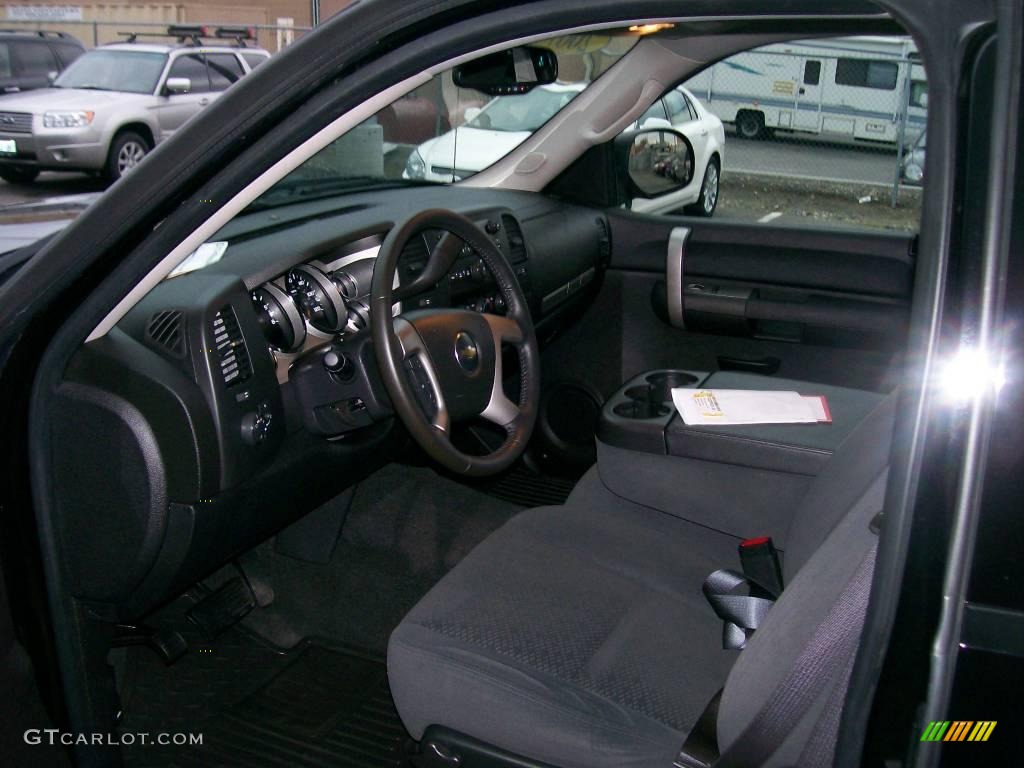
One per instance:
[(126, 71), (523, 113), (421, 139)]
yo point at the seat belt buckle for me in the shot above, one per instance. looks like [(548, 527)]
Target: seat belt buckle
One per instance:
[(760, 562)]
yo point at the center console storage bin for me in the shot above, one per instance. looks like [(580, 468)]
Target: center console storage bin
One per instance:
[(742, 480), (801, 449)]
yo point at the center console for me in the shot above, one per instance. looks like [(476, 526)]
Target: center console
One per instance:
[(718, 475)]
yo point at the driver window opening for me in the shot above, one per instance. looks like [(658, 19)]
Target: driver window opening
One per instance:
[(440, 133)]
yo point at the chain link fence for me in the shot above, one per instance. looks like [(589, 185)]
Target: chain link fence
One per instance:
[(830, 130), (92, 33)]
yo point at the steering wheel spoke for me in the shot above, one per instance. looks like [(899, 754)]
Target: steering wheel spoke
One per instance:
[(422, 375), (500, 409)]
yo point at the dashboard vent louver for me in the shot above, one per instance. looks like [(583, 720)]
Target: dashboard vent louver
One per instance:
[(229, 344), (516, 244), (166, 330), (605, 240)]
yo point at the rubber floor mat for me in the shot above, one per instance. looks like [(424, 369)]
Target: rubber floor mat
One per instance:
[(309, 707)]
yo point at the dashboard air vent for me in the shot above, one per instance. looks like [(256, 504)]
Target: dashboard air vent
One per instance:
[(166, 330), (229, 344), (516, 244)]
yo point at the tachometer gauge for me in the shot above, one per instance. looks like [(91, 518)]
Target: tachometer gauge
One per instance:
[(318, 298), (279, 318)]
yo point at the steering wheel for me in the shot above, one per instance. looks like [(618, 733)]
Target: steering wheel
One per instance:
[(442, 366)]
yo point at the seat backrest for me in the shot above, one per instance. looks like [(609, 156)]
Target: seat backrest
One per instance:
[(828, 539)]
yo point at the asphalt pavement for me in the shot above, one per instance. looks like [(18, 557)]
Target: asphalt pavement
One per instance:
[(801, 157), (48, 185)]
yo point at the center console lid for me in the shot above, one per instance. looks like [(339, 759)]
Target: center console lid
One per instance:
[(642, 417), (801, 449)]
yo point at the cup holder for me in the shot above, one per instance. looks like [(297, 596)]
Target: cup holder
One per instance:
[(652, 399), (640, 392), (663, 382), (641, 409)]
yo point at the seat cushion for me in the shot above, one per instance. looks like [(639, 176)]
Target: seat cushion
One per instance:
[(576, 635)]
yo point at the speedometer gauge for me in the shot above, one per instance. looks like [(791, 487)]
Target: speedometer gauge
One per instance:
[(279, 318), (317, 297)]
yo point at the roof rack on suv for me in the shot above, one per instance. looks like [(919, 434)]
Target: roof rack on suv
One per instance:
[(193, 34), (35, 33)]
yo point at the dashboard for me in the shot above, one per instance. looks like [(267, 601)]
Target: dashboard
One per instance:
[(241, 395)]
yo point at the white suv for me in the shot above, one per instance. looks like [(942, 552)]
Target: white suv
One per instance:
[(107, 110)]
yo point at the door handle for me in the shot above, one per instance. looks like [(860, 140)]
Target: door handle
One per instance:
[(11, 89), (203, 102)]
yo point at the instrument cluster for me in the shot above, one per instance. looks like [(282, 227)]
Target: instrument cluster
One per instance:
[(314, 302)]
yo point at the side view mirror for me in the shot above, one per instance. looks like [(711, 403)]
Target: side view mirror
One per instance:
[(178, 85), (471, 114), (517, 70), (654, 162), (50, 77)]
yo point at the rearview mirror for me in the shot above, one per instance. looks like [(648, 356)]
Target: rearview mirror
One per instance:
[(178, 85), (518, 70), (50, 77), (656, 162)]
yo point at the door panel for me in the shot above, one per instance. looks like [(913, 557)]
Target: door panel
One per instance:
[(817, 305)]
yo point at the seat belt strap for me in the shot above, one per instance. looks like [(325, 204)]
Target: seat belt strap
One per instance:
[(740, 613)]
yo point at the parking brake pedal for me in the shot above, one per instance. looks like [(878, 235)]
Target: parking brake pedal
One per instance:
[(223, 608)]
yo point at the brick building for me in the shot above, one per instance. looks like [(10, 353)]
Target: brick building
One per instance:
[(98, 23)]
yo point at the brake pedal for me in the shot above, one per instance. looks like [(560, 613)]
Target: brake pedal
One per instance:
[(223, 608)]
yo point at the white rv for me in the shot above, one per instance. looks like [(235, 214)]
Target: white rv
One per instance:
[(857, 87)]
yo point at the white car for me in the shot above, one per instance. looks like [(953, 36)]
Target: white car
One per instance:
[(502, 124)]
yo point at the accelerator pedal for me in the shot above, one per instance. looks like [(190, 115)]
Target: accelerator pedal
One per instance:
[(223, 608)]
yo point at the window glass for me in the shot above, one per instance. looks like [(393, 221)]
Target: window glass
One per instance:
[(656, 110), (225, 69), (678, 111), (835, 156), (867, 73), (919, 93), (253, 59), (67, 53), (105, 70), (35, 58), (812, 72), (5, 61), (193, 67), (440, 133)]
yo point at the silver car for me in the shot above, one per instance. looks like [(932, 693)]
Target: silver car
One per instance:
[(106, 111)]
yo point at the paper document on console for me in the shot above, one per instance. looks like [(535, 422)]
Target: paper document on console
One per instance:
[(749, 406)]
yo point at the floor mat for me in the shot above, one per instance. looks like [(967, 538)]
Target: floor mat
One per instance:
[(407, 527), (312, 706)]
